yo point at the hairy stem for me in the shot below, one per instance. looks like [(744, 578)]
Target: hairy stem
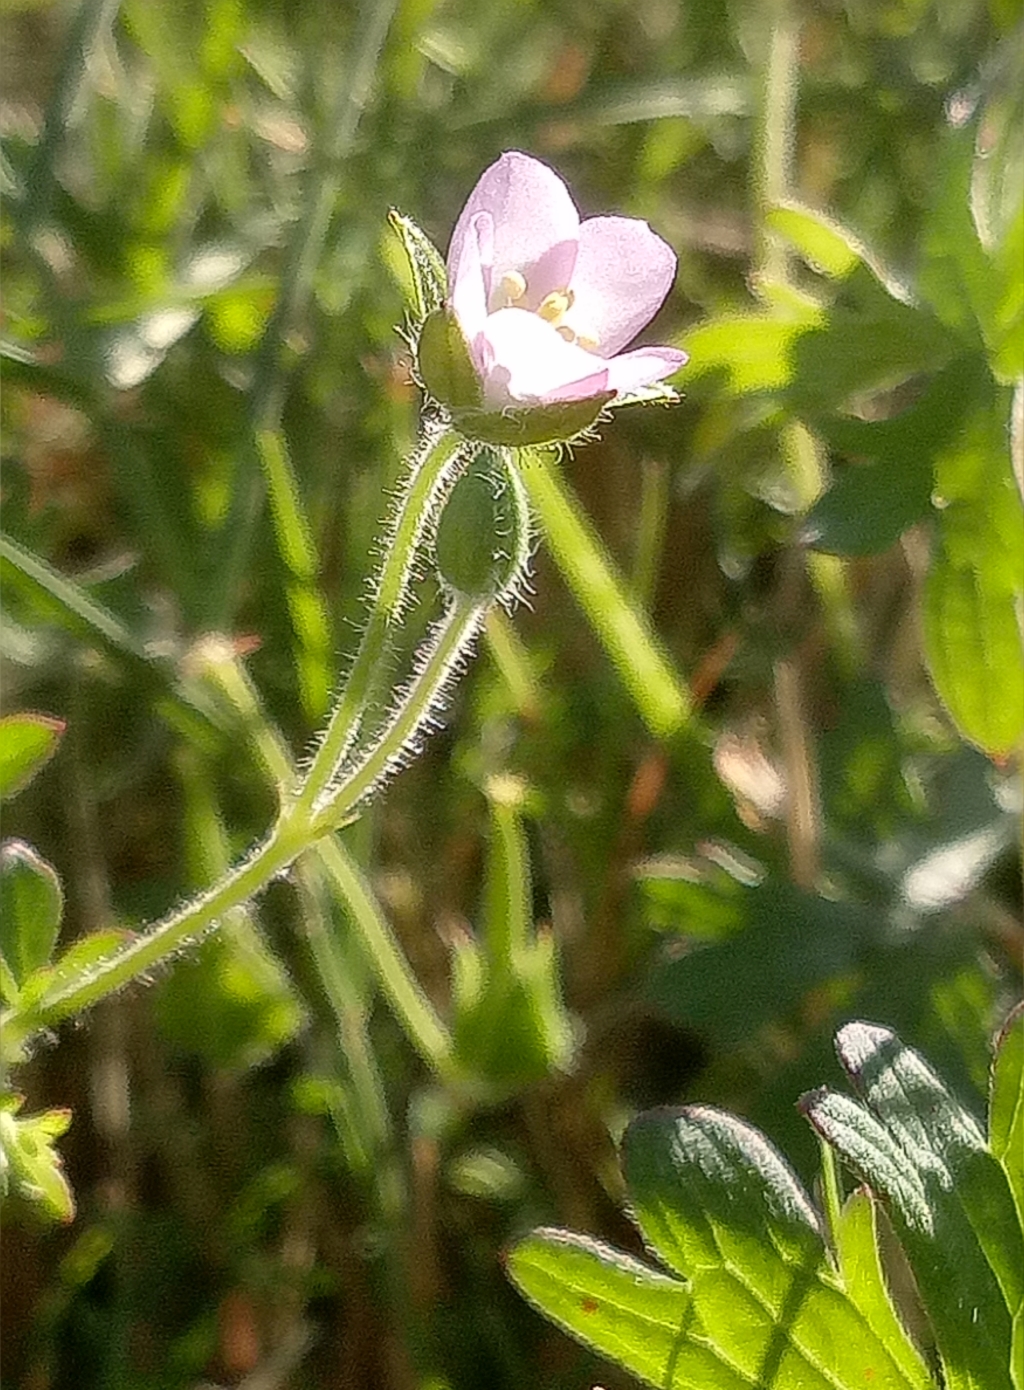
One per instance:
[(415, 508)]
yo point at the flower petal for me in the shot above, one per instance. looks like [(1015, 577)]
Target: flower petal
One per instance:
[(631, 371), (622, 274), (535, 225), (468, 286), (527, 361)]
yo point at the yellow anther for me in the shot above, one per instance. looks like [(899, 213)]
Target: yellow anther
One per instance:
[(585, 341), (512, 287), (555, 306), (564, 331)]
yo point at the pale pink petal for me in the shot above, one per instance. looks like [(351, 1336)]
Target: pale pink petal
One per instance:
[(526, 361), (535, 224), (622, 274), (631, 371), (468, 288)]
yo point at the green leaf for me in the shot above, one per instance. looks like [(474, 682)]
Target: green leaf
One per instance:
[(1006, 1112), (65, 601), (756, 1306), (635, 1315), (27, 742), (973, 593), (753, 350), (787, 944), (427, 286), (1006, 1138), (949, 1199), (30, 1164), (824, 244), (720, 1207), (957, 277), (31, 904), (856, 1240), (229, 1001), (871, 504)]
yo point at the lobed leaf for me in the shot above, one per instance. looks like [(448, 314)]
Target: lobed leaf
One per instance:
[(950, 1202), (29, 1162), (717, 1203)]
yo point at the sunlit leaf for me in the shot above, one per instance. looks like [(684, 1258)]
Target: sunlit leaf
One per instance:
[(27, 742), (31, 905), (924, 1154)]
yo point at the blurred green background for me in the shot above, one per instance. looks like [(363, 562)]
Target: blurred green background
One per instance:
[(195, 244)]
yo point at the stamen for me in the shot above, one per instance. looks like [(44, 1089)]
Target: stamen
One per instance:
[(511, 288), (564, 331), (554, 306), (584, 340)]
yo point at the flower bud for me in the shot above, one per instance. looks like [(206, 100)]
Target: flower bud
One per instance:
[(482, 535)]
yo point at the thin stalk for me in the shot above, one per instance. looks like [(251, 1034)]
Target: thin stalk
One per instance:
[(508, 917), (92, 18), (389, 601), (776, 135), (419, 1017), (450, 641), (659, 692), (347, 1008), (88, 985)]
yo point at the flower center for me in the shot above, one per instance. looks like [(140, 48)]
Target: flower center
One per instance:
[(512, 289)]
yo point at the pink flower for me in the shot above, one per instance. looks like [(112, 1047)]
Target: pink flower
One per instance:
[(546, 302)]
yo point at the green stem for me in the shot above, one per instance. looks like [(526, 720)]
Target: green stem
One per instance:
[(660, 693), (418, 501), (89, 984), (776, 136), (422, 1023), (452, 637), (295, 831), (344, 998)]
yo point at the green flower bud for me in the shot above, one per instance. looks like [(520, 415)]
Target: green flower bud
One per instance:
[(483, 532)]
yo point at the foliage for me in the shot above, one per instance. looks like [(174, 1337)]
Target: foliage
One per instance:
[(755, 1298), (734, 761)]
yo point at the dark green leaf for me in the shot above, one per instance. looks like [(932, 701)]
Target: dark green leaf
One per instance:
[(870, 505)]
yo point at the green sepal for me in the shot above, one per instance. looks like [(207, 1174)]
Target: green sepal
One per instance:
[(448, 374), (428, 279), (533, 424), (445, 366)]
